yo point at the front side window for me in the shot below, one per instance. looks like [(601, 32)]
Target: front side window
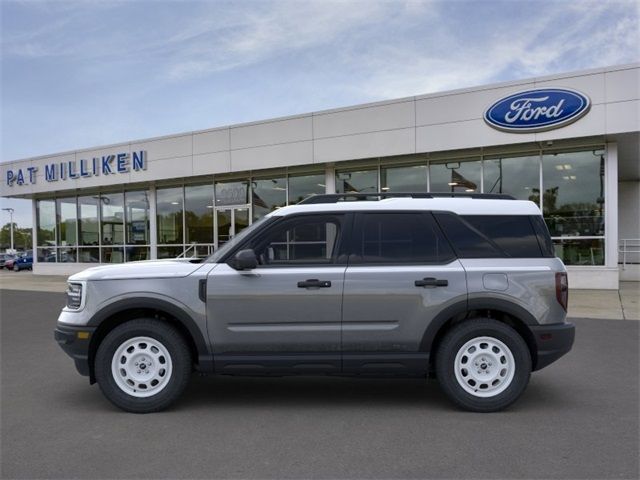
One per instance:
[(411, 238), (304, 240)]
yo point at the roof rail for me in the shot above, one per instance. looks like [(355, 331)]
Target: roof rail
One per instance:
[(375, 196)]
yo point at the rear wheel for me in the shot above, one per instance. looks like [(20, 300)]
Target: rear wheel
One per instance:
[(143, 365), (16, 268), (483, 365)]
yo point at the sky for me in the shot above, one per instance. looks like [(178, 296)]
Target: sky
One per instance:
[(77, 74)]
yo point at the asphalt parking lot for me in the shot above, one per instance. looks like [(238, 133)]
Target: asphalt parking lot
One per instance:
[(579, 418)]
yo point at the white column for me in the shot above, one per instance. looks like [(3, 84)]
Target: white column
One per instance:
[(611, 205), (34, 230), (153, 234), (330, 178)]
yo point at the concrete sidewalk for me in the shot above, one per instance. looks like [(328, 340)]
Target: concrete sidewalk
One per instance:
[(623, 304)]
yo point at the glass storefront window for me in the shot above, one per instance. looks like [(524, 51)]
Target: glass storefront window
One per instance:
[(357, 181), (169, 209), (267, 195), (46, 222), (232, 193), (67, 254), (458, 176), (46, 255), (112, 255), (301, 186), (573, 198), (88, 227), (580, 251), (516, 176), (89, 255), (404, 179), (169, 252), (137, 217), (133, 254), (112, 218), (67, 221), (198, 211)]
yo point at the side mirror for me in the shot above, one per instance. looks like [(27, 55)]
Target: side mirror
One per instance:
[(244, 260)]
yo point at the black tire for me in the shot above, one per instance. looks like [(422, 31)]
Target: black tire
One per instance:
[(16, 268), (180, 359), (452, 343)]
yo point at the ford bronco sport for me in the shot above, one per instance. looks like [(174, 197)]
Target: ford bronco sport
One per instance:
[(463, 288)]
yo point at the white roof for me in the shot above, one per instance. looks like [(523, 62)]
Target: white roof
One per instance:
[(462, 206)]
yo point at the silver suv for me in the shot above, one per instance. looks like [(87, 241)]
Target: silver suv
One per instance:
[(463, 288)]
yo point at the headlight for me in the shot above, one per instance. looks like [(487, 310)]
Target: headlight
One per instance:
[(74, 295)]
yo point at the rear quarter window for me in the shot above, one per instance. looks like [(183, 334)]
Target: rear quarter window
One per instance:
[(493, 236)]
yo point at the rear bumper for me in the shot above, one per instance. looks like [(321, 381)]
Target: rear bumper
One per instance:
[(552, 342), (75, 342)]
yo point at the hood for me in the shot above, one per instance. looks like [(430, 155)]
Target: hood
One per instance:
[(174, 268)]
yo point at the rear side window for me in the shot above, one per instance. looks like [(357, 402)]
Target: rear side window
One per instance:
[(399, 238), (491, 236), (513, 234), (467, 240)]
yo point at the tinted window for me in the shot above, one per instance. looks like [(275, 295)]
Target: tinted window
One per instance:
[(514, 234), (399, 238), (491, 236), (304, 240), (468, 241), (544, 239)]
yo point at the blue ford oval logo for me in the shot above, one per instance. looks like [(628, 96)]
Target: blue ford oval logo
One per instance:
[(537, 110)]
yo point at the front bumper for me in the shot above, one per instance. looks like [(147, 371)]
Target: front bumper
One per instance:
[(75, 342), (552, 342)]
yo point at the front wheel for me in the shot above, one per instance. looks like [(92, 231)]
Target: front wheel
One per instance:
[(16, 268), (483, 365), (143, 365)]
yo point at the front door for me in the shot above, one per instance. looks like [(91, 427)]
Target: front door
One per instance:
[(286, 313), (229, 222)]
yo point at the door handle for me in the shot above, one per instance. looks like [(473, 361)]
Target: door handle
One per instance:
[(314, 283), (432, 282)]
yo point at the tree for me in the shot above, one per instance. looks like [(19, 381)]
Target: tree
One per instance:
[(21, 237)]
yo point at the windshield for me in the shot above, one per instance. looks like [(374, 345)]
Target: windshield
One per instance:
[(231, 244)]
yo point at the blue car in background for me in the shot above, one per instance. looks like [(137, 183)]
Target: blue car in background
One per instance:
[(23, 262)]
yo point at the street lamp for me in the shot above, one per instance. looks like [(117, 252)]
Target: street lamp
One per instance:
[(10, 210)]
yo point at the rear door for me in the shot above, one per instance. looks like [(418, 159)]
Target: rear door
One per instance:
[(402, 272)]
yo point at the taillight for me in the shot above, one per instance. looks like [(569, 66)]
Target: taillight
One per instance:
[(562, 289)]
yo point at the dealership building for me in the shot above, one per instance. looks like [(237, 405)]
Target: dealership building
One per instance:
[(569, 142)]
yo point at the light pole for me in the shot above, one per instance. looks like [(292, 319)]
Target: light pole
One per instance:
[(10, 210)]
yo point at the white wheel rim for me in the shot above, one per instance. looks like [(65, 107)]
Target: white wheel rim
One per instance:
[(141, 367), (484, 367)]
